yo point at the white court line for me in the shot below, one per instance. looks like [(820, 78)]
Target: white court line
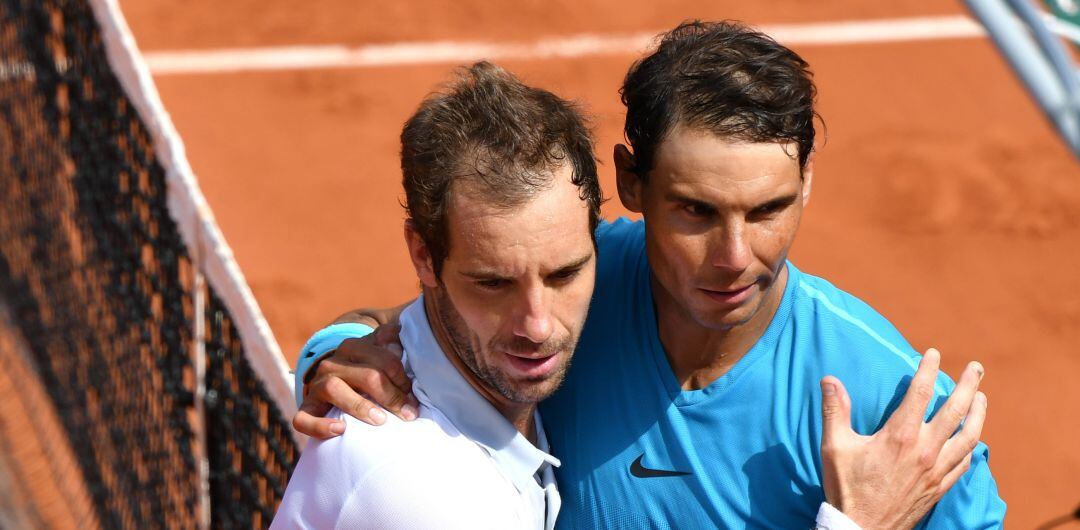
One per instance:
[(582, 45)]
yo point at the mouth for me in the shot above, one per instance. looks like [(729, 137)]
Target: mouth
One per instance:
[(532, 366), (731, 296)]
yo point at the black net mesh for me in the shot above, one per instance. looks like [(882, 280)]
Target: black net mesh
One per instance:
[(248, 467), (99, 285)]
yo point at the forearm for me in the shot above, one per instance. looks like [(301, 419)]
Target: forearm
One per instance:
[(372, 316)]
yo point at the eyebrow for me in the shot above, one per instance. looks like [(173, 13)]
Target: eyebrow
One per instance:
[(776, 201), (576, 264), (483, 274), (678, 197)]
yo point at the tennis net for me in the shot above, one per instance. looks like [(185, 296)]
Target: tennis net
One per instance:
[(141, 383)]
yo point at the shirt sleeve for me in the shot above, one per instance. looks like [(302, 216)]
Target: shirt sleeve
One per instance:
[(319, 345), (829, 518)]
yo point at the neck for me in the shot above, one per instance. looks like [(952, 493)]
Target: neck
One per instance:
[(520, 415), (700, 354)]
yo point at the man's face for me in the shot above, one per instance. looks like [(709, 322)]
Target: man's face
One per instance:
[(515, 288), (720, 217)]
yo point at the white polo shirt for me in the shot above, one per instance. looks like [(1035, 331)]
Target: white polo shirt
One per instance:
[(461, 464)]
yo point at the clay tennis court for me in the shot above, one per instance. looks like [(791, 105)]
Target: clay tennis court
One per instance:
[(942, 197)]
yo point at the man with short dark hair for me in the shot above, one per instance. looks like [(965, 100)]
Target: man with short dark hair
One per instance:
[(502, 199), (693, 398)]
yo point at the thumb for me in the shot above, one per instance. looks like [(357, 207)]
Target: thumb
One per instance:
[(835, 410)]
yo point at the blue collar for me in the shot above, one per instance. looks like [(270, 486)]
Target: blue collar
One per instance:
[(437, 382)]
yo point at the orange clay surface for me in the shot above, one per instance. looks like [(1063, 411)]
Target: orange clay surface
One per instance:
[(942, 197)]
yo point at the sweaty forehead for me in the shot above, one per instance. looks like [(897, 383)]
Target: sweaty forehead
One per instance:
[(545, 227), (688, 154)]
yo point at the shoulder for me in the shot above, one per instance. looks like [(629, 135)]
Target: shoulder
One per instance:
[(819, 300), (621, 261), (837, 318), (618, 240), (847, 338), (429, 447), (392, 476)]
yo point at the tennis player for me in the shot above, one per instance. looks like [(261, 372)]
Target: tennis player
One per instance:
[(694, 396), (503, 204)]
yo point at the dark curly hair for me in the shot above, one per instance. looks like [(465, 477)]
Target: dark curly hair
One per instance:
[(488, 127), (721, 77)]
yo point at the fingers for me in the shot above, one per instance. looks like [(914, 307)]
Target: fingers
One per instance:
[(835, 411), (385, 356), (954, 475), (948, 418), (960, 446), (372, 370), (333, 391), (961, 465), (316, 426), (909, 415)]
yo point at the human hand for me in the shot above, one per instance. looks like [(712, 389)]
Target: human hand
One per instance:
[(892, 478), (362, 377)]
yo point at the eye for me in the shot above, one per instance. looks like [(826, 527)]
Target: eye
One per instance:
[(564, 275), (697, 210), (769, 210), (493, 284)]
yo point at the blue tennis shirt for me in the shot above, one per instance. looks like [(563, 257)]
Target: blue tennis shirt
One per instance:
[(640, 452), (637, 451)]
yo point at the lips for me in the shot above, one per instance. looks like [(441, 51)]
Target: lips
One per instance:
[(731, 296), (532, 367)]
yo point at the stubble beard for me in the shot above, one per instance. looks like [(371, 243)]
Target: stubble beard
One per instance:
[(466, 346)]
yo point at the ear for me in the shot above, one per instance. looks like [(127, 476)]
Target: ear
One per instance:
[(627, 181), (808, 179), (420, 256)]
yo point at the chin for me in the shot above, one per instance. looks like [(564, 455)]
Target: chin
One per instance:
[(731, 318), (712, 315), (537, 390)]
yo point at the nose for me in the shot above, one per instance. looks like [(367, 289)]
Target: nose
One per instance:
[(731, 247), (533, 320)]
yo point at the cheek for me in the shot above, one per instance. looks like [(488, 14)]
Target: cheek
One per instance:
[(570, 304), (771, 243), (478, 314), (683, 255), (581, 296)]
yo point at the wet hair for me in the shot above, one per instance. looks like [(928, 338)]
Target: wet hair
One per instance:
[(506, 139), (720, 77)]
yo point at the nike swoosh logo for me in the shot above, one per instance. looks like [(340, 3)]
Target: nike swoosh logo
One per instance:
[(640, 471)]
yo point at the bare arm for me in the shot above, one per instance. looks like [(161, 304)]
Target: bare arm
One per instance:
[(372, 316)]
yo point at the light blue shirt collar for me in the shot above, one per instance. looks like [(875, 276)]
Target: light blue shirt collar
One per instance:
[(435, 377)]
